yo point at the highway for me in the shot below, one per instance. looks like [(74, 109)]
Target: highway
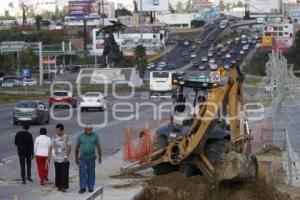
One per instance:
[(110, 124)]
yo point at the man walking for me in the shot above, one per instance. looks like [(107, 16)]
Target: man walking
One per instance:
[(24, 143), (86, 145), (61, 145)]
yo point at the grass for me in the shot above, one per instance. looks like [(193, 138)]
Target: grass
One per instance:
[(14, 95), (253, 80)]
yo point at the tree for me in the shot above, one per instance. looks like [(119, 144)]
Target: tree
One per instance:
[(28, 58), (140, 59), (179, 7), (188, 5), (38, 22), (197, 23), (240, 4), (5, 63), (122, 12), (171, 8), (222, 5), (227, 6)]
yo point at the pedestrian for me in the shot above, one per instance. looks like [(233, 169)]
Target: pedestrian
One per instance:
[(85, 157), (24, 143), (61, 146), (41, 149)]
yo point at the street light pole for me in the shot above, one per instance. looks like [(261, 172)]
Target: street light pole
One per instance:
[(141, 20), (41, 64)]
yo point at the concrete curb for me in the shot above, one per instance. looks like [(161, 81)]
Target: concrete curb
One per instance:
[(114, 189)]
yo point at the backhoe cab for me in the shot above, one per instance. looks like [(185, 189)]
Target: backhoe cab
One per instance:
[(198, 137)]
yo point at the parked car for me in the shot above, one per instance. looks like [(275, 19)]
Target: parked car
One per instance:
[(9, 83), (242, 52), (34, 112), (150, 66), (92, 100), (29, 82), (210, 54), (62, 98), (186, 43)]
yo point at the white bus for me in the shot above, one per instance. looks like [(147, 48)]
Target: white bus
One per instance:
[(160, 83)]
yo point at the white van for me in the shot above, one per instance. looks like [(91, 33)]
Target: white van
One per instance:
[(160, 83)]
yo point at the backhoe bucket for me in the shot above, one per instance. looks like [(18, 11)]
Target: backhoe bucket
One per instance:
[(237, 166)]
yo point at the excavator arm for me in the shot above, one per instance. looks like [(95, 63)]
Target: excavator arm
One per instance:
[(237, 163)]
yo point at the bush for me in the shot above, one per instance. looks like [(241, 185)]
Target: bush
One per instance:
[(197, 23), (257, 64)]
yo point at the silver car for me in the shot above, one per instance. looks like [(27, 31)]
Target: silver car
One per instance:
[(33, 112)]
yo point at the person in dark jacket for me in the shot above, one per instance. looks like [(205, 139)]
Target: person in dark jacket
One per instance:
[(24, 143)]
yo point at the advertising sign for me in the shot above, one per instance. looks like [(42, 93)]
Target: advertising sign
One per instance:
[(265, 7), (83, 9), (25, 72), (98, 42), (152, 5)]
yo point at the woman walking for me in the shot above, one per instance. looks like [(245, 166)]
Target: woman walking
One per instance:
[(61, 146), (41, 148)]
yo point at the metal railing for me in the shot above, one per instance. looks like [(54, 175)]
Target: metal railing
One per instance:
[(98, 193), (291, 163)]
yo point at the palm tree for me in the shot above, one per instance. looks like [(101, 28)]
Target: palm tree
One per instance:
[(140, 59)]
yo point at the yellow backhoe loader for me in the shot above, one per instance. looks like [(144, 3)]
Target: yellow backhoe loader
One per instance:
[(204, 141)]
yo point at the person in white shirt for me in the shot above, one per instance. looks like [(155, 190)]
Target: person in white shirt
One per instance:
[(41, 148)]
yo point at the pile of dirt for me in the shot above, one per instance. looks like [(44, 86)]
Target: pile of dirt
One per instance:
[(270, 150), (176, 186), (127, 176)]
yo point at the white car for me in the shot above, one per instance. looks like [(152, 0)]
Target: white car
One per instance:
[(210, 54), (186, 43), (150, 65), (244, 42), (213, 67), (242, 52), (202, 67), (29, 82), (212, 61), (193, 55), (228, 55), (93, 100), (245, 47), (204, 59)]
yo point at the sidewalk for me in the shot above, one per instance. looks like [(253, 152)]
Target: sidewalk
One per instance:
[(113, 188)]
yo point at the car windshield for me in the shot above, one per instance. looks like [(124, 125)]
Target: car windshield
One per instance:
[(161, 74), (9, 80), (60, 94), (27, 105), (91, 95)]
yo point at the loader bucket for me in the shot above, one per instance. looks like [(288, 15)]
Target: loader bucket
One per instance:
[(264, 171), (236, 167)]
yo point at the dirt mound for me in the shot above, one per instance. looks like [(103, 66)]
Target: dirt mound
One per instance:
[(175, 186), (270, 150)]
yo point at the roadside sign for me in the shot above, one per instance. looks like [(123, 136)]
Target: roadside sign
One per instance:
[(215, 76), (25, 72)]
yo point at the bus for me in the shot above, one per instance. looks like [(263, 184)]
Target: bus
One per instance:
[(160, 83)]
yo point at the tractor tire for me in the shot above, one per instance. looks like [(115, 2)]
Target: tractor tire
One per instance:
[(163, 168), (215, 148)]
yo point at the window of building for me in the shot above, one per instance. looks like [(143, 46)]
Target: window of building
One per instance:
[(280, 33), (286, 33)]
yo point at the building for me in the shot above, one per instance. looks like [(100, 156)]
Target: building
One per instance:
[(292, 10), (176, 20), (152, 37), (198, 6)]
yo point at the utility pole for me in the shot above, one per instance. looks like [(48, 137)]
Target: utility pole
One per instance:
[(141, 20), (84, 35), (41, 64)]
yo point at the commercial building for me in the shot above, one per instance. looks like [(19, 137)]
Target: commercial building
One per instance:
[(292, 10), (152, 37), (176, 20)]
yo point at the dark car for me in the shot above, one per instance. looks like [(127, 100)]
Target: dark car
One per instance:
[(33, 112)]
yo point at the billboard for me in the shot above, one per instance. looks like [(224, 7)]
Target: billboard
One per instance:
[(152, 5), (83, 9), (265, 7)]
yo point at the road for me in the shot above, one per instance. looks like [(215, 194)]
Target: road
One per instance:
[(138, 110)]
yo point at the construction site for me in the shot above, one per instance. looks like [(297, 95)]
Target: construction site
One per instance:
[(205, 156)]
